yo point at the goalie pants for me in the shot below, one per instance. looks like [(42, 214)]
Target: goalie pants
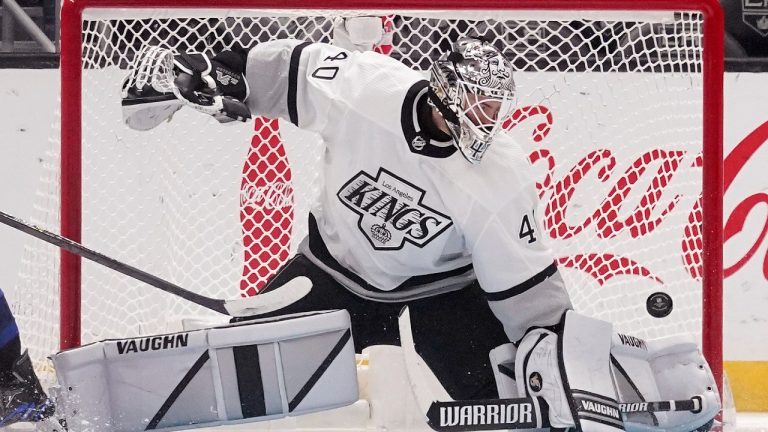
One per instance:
[(453, 332)]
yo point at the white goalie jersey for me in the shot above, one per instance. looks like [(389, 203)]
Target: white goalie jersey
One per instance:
[(400, 216)]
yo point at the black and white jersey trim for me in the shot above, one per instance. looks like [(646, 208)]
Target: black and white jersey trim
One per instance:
[(418, 141), (293, 81), (414, 288), (524, 286)]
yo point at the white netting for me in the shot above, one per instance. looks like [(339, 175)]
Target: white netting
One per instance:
[(610, 110)]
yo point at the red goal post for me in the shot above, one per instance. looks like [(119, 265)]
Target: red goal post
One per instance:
[(697, 250)]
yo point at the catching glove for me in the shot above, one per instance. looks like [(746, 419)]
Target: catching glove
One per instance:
[(161, 81), (215, 86)]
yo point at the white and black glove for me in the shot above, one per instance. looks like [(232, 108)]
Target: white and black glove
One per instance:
[(161, 81), (215, 86), (147, 97)]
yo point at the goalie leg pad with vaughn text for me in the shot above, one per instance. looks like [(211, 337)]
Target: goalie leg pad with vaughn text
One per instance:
[(249, 371)]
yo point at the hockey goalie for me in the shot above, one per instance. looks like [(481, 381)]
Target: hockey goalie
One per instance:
[(424, 237)]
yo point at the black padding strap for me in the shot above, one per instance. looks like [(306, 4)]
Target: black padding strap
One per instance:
[(524, 286), (249, 382)]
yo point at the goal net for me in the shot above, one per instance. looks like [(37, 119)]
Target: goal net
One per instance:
[(617, 110)]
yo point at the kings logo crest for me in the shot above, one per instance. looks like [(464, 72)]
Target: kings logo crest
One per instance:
[(391, 211), (754, 13)]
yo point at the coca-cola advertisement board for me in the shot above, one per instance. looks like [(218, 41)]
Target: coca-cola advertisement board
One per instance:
[(745, 204)]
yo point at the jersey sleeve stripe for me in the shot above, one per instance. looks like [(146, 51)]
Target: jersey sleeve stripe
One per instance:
[(293, 79), (523, 287)]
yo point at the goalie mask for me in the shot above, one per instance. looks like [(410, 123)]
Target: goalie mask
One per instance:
[(473, 88)]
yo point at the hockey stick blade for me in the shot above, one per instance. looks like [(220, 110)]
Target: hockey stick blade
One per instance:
[(281, 297), (218, 305), (521, 413)]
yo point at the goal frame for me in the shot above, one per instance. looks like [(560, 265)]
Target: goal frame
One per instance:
[(712, 70)]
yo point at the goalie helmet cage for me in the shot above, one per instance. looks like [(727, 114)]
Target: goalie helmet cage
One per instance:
[(619, 108)]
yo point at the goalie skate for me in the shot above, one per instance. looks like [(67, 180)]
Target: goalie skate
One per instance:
[(22, 399)]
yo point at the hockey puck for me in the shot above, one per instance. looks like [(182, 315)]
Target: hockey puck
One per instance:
[(659, 304)]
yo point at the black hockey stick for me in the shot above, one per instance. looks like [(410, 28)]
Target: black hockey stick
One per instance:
[(248, 306), (525, 413)]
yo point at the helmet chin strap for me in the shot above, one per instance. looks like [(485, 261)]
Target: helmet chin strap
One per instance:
[(447, 114)]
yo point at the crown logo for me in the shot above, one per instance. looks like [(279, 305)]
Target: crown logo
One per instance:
[(762, 23)]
